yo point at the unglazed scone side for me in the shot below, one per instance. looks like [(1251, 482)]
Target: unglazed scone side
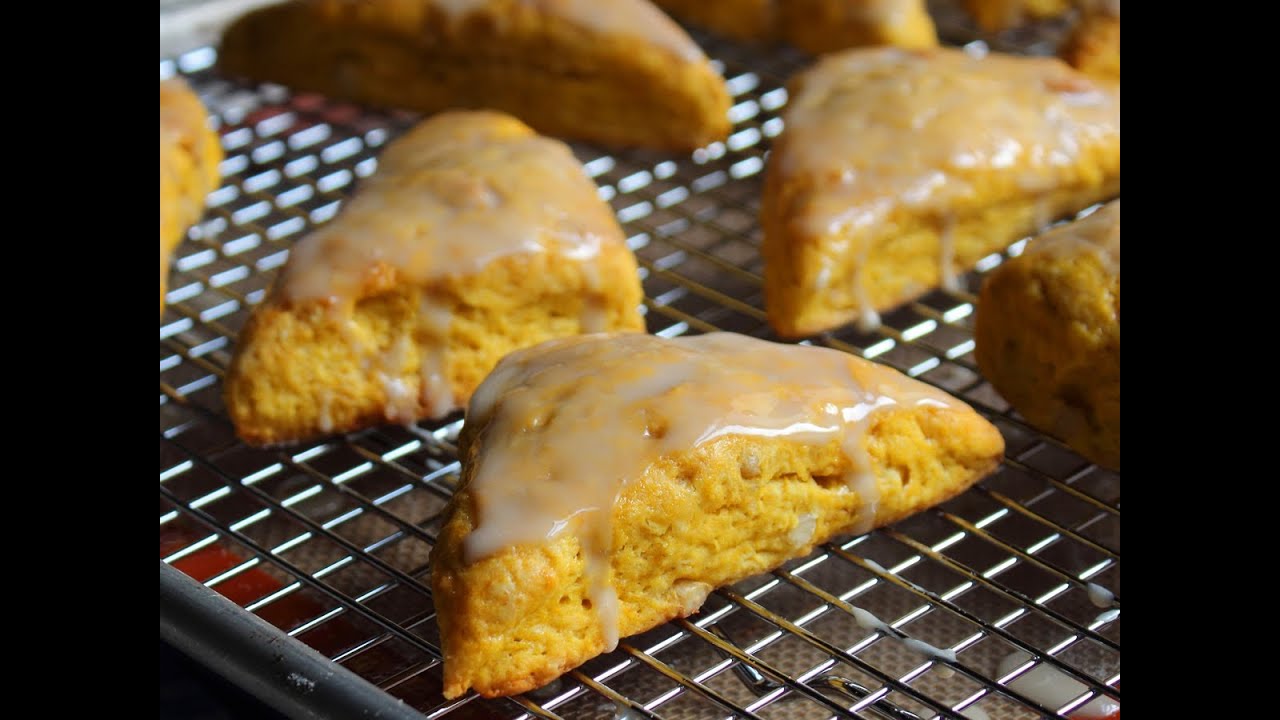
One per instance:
[(308, 371), (475, 237), (1094, 44), (693, 520), (618, 73), (1048, 334), (190, 153), (817, 26), (903, 263), (898, 170)]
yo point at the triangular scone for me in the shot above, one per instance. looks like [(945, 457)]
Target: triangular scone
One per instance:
[(189, 157), (817, 26), (1048, 333), (898, 169), (475, 237), (610, 482), (619, 72)]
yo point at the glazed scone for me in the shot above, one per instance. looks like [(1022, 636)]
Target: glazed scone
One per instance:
[(817, 26), (1094, 44), (189, 157), (475, 237), (897, 169), (610, 482), (997, 15), (1048, 333), (619, 72)]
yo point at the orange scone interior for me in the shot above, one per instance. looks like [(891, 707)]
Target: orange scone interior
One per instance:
[(475, 237), (817, 26), (1048, 333), (613, 71), (610, 482), (189, 157), (898, 169)]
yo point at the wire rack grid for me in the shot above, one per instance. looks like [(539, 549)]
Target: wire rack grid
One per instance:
[(329, 541)]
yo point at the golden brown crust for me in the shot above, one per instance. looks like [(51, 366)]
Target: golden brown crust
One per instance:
[(561, 66), (855, 228), (817, 26), (694, 521), (998, 15), (822, 26), (189, 157), (1048, 338), (302, 370)]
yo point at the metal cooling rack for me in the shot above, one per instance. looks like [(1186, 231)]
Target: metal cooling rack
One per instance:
[(329, 541)]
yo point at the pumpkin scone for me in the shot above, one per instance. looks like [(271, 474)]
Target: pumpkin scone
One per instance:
[(817, 26), (189, 157), (897, 169), (998, 15), (475, 237), (1048, 333), (610, 482), (618, 72), (1094, 44)]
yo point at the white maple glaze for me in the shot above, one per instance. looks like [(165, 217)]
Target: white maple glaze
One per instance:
[(915, 128), (932, 652), (885, 131), (1098, 234), (1100, 596), (567, 424), (1107, 616), (454, 194), (868, 621), (1052, 688)]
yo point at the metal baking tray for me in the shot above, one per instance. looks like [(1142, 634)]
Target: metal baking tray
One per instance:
[(322, 548)]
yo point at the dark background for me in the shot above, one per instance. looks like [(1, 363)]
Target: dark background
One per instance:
[(190, 692)]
